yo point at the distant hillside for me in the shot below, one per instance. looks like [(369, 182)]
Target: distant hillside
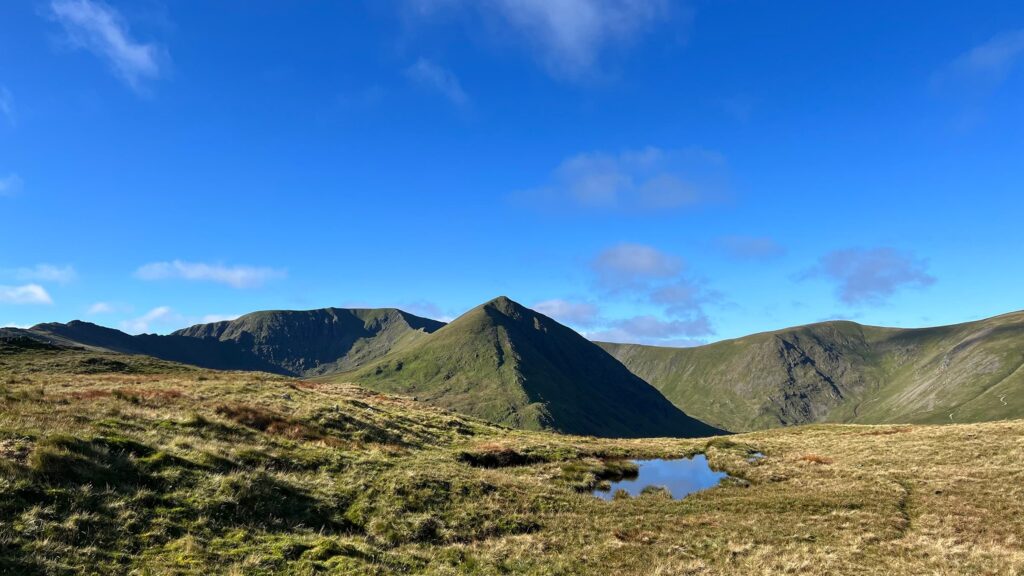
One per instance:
[(511, 365), (844, 372), (296, 343), (216, 355), (315, 342)]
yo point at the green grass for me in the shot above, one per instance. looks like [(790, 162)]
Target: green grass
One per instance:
[(157, 469), (507, 364), (844, 372), (289, 342)]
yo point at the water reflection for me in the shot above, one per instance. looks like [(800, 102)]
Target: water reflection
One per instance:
[(680, 477)]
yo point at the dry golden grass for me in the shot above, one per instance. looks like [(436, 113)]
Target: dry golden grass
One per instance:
[(205, 472)]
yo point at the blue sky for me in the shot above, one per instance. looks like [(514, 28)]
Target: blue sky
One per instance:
[(644, 170)]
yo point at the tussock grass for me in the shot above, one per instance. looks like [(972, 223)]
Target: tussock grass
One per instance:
[(157, 469)]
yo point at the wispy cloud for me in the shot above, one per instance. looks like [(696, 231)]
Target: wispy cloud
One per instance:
[(651, 277), (26, 294), (427, 309), (684, 297), (47, 273), (751, 247), (572, 33), (576, 313), (7, 105), (99, 28), (97, 308), (10, 185), (161, 319), (569, 36), (870, 276), (100, 308), (13, 325), (630, 265), (234, 276), (987, 65), (158, 315), (646, 180), (439, 79), (649, 329)]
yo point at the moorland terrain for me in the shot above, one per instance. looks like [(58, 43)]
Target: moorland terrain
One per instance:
[(125, 464)]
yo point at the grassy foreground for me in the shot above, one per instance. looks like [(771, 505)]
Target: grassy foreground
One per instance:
[(128, 465)]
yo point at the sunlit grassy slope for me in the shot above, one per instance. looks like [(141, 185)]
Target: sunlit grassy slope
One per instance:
[(291, 342), (511, 365), (115, 464), (844, 372)]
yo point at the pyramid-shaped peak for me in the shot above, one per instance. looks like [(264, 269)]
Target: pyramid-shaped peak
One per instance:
[(506, 306), (502, 301)]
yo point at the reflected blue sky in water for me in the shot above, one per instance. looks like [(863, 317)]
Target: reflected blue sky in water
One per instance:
[(681, 476)]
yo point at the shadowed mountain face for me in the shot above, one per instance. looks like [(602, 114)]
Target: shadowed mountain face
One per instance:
[(316, 342), (296, 343), (499, 361), (511, 365), (844, 372)]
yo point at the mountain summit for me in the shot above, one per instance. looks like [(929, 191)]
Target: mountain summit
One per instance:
[(316, 342), (290, 342), (508, 364)]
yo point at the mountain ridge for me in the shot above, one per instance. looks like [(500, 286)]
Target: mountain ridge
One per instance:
[(288, 342), (842, 371), (320, 341), (834, 371), (508, 364)]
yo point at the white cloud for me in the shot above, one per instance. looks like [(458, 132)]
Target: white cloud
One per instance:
[(630, 265), (26, 294), (648, 275), (10, 185), (870, 276), (437, 78), (98, 308), (649, 329), (163, 317), (576, 313), (99, 28), (569, 35), (572, 33), (646, 180), (684, 297), (13, 325), (160, 314), (426, 309), (986, 65), (234, 276), (47, 273), (7, 105)]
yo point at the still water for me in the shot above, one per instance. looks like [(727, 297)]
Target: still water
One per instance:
[(681, 477)]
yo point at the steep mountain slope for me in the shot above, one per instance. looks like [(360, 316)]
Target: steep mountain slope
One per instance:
[(843, 372), (316, 342), (511, 365), (296, 343), (212, 354)]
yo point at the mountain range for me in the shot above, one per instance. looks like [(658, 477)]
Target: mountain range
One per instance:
[(514, 366), (844, 372), (500, 361), (511, 365)]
